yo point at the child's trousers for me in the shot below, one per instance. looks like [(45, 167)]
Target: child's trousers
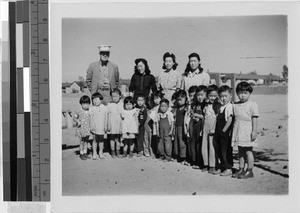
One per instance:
[(179, 143), (147, 141), (222, 144), (165, 140), (208, 151), (154, 144), (140, 139), (195, 144)]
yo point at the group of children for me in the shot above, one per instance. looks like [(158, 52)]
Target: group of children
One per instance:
[(197, 129)]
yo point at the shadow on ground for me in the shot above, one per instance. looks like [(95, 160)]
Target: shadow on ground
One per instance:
[(267, 155)]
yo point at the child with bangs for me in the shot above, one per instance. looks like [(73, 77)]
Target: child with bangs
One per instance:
[(130, 126), (180, 138), (82, 118), (197, 118), (98, 124), (245, 130), (152, 121)]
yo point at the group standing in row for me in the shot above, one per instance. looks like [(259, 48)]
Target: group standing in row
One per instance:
[(185, 120)]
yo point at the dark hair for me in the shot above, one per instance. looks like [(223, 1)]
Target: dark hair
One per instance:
[(211, 88), (128, 99), (158, 93), (192, 89), (97, 95), (140, 95), (199, 89), (85, 100), (244, 86), (216, 104), (169, 55), (182, 93), (174, 96), (188, 66), (164, 100), (116, 90), (144, 61), (224, 88)]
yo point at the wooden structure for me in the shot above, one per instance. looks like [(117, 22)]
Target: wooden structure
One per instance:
[(232, 79), (219, 81)]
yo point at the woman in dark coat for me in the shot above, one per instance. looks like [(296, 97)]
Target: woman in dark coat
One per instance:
[(142, 81)]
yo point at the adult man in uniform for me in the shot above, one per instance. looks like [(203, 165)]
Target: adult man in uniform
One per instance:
[(103, 76)]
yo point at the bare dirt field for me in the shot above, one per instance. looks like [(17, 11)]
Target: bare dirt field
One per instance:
[(153, 177)]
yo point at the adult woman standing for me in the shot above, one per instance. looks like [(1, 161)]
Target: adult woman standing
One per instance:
[(169, 81), (193, 74), (142, 81)]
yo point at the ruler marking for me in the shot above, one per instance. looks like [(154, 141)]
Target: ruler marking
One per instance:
[(38, 51), (40, 97)]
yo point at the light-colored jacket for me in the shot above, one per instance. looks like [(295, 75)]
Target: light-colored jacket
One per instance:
[(93, 76)]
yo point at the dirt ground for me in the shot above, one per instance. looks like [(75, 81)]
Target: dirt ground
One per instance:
[(148, 176)]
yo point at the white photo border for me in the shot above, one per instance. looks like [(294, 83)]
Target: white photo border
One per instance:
[(229, 203)]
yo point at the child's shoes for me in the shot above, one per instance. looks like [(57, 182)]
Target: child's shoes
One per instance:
[(118, 154), (113, 154), (140, 154), (246, 175), (161, 158), (204, 169), (82, 157), (185, 163), (167, 159), (131, 155), (238, 173), (226, 172), (94, 157), (211, 170), (87, 156), (195, 167), (217, 172), (101, 155)]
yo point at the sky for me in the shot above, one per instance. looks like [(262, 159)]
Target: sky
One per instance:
[(225, 44)]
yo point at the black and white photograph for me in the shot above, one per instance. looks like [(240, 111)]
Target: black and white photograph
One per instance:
[(108, 133), (164, 101)]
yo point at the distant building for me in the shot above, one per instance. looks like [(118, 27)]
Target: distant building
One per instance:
[(75, 87), (68, 90), (65, 87), (225, 78), (71, 87), (260, 79)]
